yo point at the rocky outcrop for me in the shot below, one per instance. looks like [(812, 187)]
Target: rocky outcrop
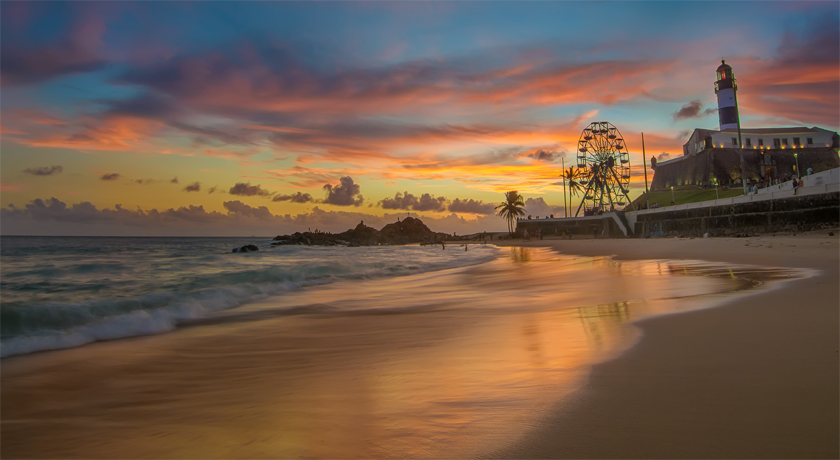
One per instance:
[(246, 248), (409, 230)]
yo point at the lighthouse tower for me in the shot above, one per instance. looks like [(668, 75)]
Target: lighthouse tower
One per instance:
[(725, 88)]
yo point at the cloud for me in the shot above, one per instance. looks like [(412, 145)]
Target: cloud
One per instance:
[(693, 109), (242, 208), (73, 49), (407, 201), (818, 42), (663, 156), (56, 210), (174, 180), (241, 219), (194, 187), (150, 104), (44, 170), (106, 132), (347, 193), (22, 66), (246, 189), (428, 202), (542, 155), (111, 176), (538, 207), (471, 206), (212, 189), (296, 197)]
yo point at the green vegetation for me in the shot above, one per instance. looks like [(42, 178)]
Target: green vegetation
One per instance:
[(511, 208), (685, 194)]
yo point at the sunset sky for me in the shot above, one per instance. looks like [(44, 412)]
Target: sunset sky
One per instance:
[(217, 118)]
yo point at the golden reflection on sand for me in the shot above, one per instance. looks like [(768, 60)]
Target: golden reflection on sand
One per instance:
[(445, 364)]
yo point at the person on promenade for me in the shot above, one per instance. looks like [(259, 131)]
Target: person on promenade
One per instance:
[(801, 182)]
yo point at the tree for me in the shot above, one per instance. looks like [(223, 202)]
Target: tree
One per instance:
[(511, 208), (573, 177)]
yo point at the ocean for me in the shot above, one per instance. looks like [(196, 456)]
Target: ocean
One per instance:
[(60, 292)]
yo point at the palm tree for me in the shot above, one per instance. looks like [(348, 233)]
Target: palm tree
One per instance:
[(573, 177), (511, 208)]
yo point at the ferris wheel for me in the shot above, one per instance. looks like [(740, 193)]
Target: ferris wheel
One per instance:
[(605, 169)]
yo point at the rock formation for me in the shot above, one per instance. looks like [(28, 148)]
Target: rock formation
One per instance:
[(407, 231)]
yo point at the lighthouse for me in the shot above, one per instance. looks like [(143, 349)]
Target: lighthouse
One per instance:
[(725, 88)]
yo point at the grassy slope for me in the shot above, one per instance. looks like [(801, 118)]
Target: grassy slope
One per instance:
[(685, 194)]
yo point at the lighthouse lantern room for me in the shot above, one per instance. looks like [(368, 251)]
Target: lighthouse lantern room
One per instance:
[(725, 88)]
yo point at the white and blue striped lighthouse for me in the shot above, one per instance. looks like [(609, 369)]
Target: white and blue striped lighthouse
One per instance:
[(725, 88)]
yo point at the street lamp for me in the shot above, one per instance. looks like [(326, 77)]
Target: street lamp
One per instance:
[(672, 196), (796, 157), (714, 180)]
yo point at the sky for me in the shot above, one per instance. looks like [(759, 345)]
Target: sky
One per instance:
[(266, 118)]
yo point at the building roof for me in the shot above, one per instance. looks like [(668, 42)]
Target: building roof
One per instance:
[(794, 130), (723, 65)]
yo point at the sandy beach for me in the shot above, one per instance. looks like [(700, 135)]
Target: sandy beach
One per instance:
[(438, 365), (755, 378)]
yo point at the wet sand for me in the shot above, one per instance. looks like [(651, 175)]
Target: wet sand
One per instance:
[(756, 378)]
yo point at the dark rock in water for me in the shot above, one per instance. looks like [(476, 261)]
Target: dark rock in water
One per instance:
[(246, 248)]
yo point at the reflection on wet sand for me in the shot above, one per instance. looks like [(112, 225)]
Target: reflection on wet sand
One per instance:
[(445, 364), (594, 318)]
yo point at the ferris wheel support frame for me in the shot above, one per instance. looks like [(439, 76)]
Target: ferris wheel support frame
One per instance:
[(602, 141), (624, 192)]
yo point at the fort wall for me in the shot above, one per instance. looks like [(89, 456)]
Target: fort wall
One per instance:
[(725, 165), (779, 208)]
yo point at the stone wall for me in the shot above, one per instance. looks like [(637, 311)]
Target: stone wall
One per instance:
[(797, 213), (725, 165), (592, 226)]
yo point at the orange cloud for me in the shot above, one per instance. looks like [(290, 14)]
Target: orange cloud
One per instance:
[(118, 133)]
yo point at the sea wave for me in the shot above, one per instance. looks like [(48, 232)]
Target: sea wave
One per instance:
[(183, 289)]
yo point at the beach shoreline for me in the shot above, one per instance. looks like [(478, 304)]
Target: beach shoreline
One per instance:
[(755, 377)]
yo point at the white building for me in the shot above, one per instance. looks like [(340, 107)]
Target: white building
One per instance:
[(760, 138)]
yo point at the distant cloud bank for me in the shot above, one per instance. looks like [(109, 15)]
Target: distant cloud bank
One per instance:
[(44, 170)]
